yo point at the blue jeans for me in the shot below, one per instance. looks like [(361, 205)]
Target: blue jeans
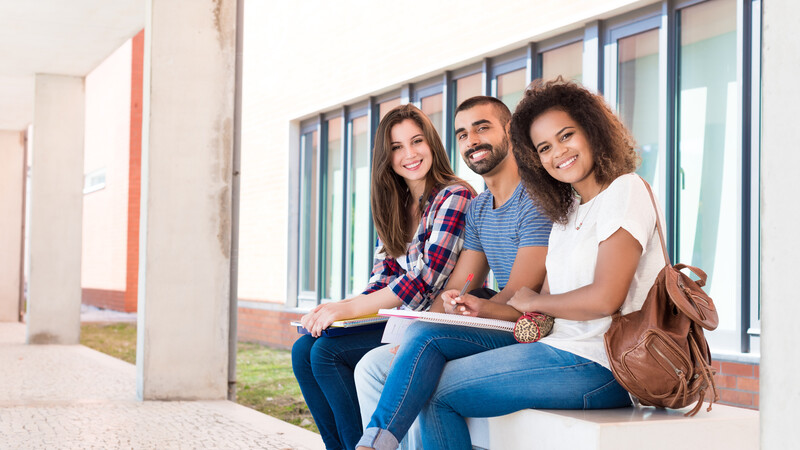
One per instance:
[(489, 375), (425, 349), (370, 375), (324, 369)]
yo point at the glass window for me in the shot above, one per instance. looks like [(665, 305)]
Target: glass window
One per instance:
[(510, 87), (333, 213), (433, 107), (709, 157), (465, 88), (637, 98), (308, 213), (566, 61), (359, 248), (387, 106)]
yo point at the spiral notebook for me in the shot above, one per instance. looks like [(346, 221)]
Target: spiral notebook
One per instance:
[(452, 319), (347, 326)]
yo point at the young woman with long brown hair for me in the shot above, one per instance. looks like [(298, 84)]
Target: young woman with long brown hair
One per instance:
[(418, 207)]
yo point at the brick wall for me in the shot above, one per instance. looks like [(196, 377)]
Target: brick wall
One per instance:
[(104, 298), (270, 327), (737, 383), (134, 175)]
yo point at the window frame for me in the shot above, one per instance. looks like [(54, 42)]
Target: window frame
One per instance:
[(599, 66), (309, 298)]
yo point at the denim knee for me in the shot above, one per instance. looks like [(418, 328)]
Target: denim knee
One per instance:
[(419, 331), (301, 352)]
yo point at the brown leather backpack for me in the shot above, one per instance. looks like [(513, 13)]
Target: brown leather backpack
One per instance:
[(659, 353)]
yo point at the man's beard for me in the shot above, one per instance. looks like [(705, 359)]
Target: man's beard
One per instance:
[(493, 159)]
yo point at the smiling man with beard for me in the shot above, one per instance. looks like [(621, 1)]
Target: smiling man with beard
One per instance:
[(504, 232)]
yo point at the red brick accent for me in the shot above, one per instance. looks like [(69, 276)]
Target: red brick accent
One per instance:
[(103, 298), (747, 384), (738, 369), (269, 327), (725, 381), (134, 175), (737, 383), (736, 398)]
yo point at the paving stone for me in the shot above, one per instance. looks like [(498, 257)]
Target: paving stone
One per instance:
[(71, 397)]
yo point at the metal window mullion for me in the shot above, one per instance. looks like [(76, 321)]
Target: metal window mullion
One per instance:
[(754, 327), (406, 92), (345, 159), (593, 56), (318, 267), (487, 78), (448, 106), (533, 63), (372, 126), (744, 38), (673, 129)]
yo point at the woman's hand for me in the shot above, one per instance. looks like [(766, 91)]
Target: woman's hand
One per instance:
[(448, 301), (523, 300), (469, 305), (321, 317)]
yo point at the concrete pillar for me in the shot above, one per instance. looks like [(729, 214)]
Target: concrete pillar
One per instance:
[(780, 244), (187, 145), (12, 182), (54, 305)]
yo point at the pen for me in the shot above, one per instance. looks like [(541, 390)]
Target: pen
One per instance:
[(466, 285)]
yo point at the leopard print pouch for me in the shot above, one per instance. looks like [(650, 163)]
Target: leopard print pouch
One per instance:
[(532, 326)]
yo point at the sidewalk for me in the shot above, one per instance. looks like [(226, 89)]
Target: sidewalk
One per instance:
[(70, 396)]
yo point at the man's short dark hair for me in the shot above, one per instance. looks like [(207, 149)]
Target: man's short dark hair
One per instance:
[(501, 109)]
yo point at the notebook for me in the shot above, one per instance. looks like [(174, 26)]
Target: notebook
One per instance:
[(347, 326), (452, 319)]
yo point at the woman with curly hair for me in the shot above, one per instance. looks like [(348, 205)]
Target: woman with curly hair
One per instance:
[(577, 161), (418, 206)]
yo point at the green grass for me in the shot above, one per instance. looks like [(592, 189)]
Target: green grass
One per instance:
[(265, 381), (115, 339)]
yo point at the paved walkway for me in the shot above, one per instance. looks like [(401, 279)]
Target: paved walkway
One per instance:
[(70, 396)]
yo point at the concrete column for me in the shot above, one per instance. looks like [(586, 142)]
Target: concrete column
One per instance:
[(187, 145), (780, 216), (54, 305), (12, 182)]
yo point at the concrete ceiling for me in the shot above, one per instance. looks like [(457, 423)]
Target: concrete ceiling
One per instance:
[(65, 37)]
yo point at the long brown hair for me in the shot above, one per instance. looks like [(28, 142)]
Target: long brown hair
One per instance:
[(390, 194), (612, 145)]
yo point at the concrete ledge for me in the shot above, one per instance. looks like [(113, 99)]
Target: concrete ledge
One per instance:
[(725, 427)]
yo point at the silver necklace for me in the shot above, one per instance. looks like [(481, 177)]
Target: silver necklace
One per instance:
[(579, 225)]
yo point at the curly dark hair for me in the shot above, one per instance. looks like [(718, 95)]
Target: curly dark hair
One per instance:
[(612, 145)]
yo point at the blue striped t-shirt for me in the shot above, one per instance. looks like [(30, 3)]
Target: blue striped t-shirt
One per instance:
[(498, 233)]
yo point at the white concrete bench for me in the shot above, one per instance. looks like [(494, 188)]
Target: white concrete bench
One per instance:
[(725, 427)]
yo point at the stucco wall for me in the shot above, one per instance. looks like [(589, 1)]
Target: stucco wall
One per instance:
[(105, 212), (12, 152), (780, 245), (339, 54)]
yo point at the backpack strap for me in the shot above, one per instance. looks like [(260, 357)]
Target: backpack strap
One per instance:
[(658, 221)]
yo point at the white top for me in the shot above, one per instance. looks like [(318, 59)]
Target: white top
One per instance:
[(572, 257)]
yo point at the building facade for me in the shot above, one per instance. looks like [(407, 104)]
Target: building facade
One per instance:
[(684, 76)]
